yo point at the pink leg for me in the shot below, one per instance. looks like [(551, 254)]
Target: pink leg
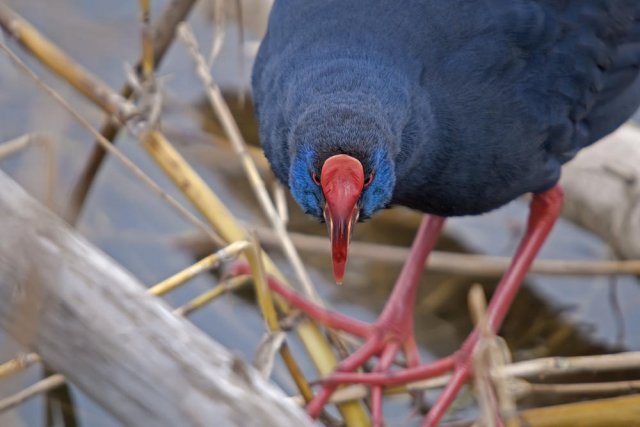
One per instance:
[(544, 211), (394, 327), (392, 330), (395, 324)]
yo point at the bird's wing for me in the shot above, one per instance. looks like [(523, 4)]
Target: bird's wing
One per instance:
[(586, 71)]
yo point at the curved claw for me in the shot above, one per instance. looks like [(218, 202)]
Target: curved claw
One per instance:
[(351, 363)]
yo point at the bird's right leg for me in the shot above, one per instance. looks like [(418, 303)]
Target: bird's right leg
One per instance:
[(391, 332)]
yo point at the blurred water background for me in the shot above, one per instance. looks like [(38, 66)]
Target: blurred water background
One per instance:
[(551, 316)]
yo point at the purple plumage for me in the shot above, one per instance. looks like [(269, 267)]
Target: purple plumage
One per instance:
[(457, 107)]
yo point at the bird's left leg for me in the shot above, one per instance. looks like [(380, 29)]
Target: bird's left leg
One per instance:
[(544, 211)]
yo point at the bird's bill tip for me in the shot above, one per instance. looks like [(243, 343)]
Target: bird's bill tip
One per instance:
[(340, 229)]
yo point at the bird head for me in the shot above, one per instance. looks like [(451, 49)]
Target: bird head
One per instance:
[(341, 189)]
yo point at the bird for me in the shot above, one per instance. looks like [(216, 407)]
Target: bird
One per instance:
[(450, 108)]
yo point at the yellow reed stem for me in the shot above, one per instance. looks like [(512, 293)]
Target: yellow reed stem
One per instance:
[(265, 302), (212, 294), (18, 364), (205, 264), (147, 39)]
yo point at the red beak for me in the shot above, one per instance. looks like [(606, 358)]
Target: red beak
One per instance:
[(342, 180)]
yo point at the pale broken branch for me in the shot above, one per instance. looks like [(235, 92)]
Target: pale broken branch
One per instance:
[(97, 325)]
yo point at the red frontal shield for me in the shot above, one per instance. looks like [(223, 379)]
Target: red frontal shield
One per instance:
[(342, 180)]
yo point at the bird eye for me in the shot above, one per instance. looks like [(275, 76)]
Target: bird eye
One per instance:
[(316, 179), (367, 181)]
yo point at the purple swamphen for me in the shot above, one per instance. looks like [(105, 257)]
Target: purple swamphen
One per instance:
[(449, 107)]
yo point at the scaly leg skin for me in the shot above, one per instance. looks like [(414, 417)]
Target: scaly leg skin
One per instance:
[(394, 327), (392, 331), (544, 211)]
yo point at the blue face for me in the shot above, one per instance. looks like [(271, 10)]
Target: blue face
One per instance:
[(304, 182)]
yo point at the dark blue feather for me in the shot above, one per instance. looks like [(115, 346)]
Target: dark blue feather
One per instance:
[(456, 106)]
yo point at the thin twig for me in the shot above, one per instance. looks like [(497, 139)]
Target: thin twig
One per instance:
[(485, 357), (205, 264), (580, 388), (281, 201), (446, 262), (112, 149), (18, 364), (147, 39), (205, 298), (564, 365), (265, 302), (164, 30), (41, 386), (219, 26), (230, 126)]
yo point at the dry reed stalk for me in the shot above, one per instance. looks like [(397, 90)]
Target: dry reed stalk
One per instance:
[(163, 34), (135, 170), (565, 365), (219, 25), (212, 294), (60, 63), (147, 40), (205, 264), (218, 104), (281, 201), (220, 107), (42, 386), (525, 388), (18, 364), (265, 302), (439, 261), (613, 412)]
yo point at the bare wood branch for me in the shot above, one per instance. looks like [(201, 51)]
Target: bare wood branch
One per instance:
[(92, 321), (602, 190)]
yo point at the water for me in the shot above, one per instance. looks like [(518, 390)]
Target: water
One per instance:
[(551, 316)]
